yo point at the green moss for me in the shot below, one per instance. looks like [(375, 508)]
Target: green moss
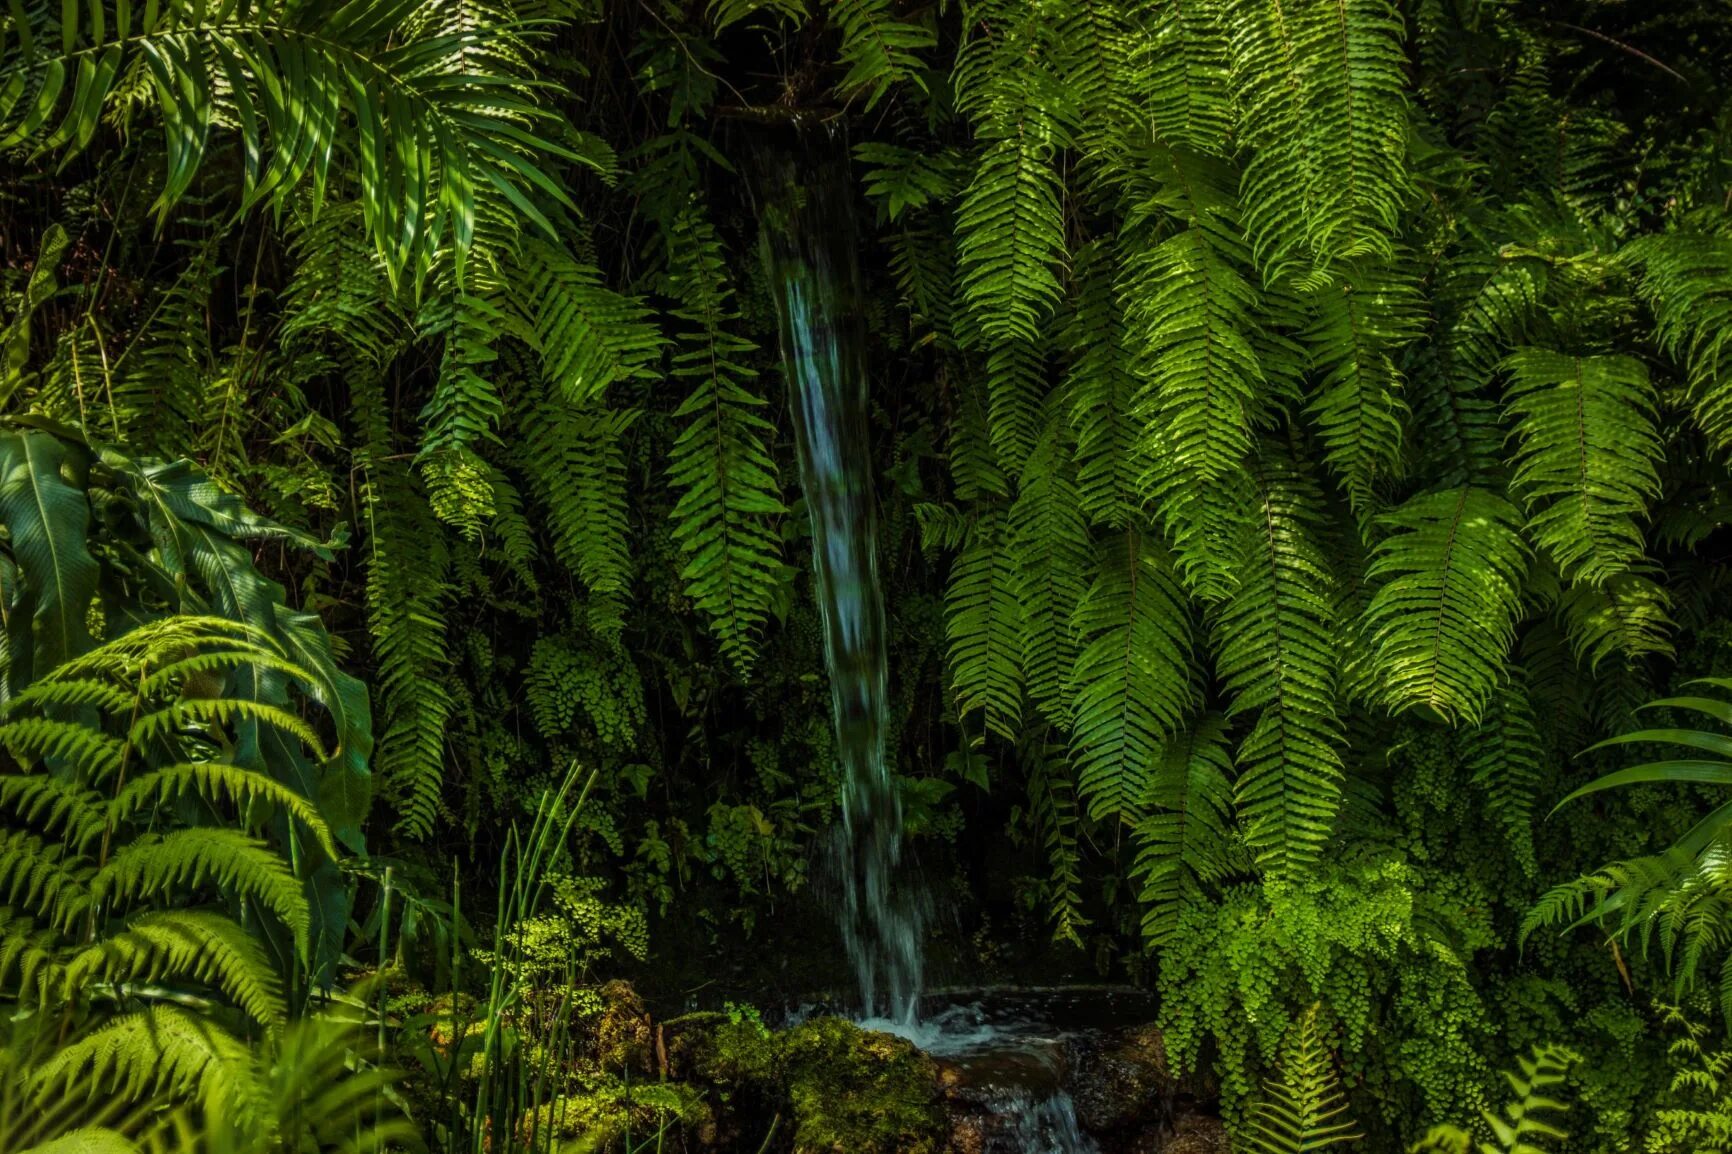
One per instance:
[(611, 1111), (860, 1092)]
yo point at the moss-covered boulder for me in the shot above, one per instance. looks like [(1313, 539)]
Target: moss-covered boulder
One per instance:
[(859, 1092)]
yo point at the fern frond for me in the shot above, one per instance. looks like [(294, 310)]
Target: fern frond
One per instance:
[(1052, 810), (1523, 1120), (213, 781), (1276, 652), (152, 865), (729, 498), (1185, 834), (1629, 617), (162, 1051), (1321, 88), (1507, 758), (1304, 1109), (1444, 618), (1100, 389), (881, 52), (1133, 683), (52, 804), (1362, 322), (1686, 279), (983, 626), (588, 335), (1588, 460), (1051, 543), (1185, 69), (193, 945)]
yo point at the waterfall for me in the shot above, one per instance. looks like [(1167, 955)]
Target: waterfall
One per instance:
[(804, 196)]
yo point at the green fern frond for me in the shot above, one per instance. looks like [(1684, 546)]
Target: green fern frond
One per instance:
[(1588, 461), (1505, 754), (1134, 681), (50, 804), (1185, 69), (1276, 651), (589, 336), (49, 881), (161, 1051), (1185, 837), (1304, 1109), (577, 468), (729, 497), (1686, 279), (1627, 618), (168, 945), (1362, 323), (1052, 809), (983, 625), (881, 52), (1444, 618), (152, 865), (45, 741), (1051, 543), (212, 781), (1100, 389), (1524, 1120)]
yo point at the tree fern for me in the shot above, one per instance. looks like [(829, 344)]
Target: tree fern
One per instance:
[(1133, 683), (1275, 652), (1587, 461), (1443, 619), (729, 501)]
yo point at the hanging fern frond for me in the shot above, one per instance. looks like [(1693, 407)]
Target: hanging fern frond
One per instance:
[(1051, 542), (1686, 279), (1324, 113), (1277, 654), (1507, 758), (983, 625), (1444, 617), (1587, 463), (729, 497), (1133, 683), (1185, 838), (1101, 390), (589, 336), (881, 52), (1627, 618), (1052, 810)]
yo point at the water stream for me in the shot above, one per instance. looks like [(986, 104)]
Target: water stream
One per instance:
[(804, 196)]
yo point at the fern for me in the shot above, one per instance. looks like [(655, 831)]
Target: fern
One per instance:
[(1443, 620), (1505, 754), (880, 52), (589, 336), (1525, 1121), (1185, 837), (984, 627), (1133, 683), (1101, 389), (729, 502), (1276, 654), (1588, 457), (1051, 543), (1685, 280), (1304, 1108)]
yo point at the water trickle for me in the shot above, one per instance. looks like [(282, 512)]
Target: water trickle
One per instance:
[(805, 203)]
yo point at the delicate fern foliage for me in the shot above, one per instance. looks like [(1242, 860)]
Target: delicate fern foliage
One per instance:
[(1133, 682), (590, 337), (1185, 839), (725, 520), (1052, 811), (1276, 652), (1444, 618), (1626, 619), (1588, 457), (1321, 88), (1303, 1109), (1101, 391)]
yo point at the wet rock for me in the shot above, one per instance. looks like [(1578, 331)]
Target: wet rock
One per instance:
[(1121, 1081)]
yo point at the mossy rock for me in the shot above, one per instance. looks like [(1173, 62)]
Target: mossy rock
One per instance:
[(859, 1092), (611, 1111)]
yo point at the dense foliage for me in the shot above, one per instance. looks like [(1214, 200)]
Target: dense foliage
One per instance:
[(1301, 433)]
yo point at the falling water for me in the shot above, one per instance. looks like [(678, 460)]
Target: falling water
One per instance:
[(805, 203)]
